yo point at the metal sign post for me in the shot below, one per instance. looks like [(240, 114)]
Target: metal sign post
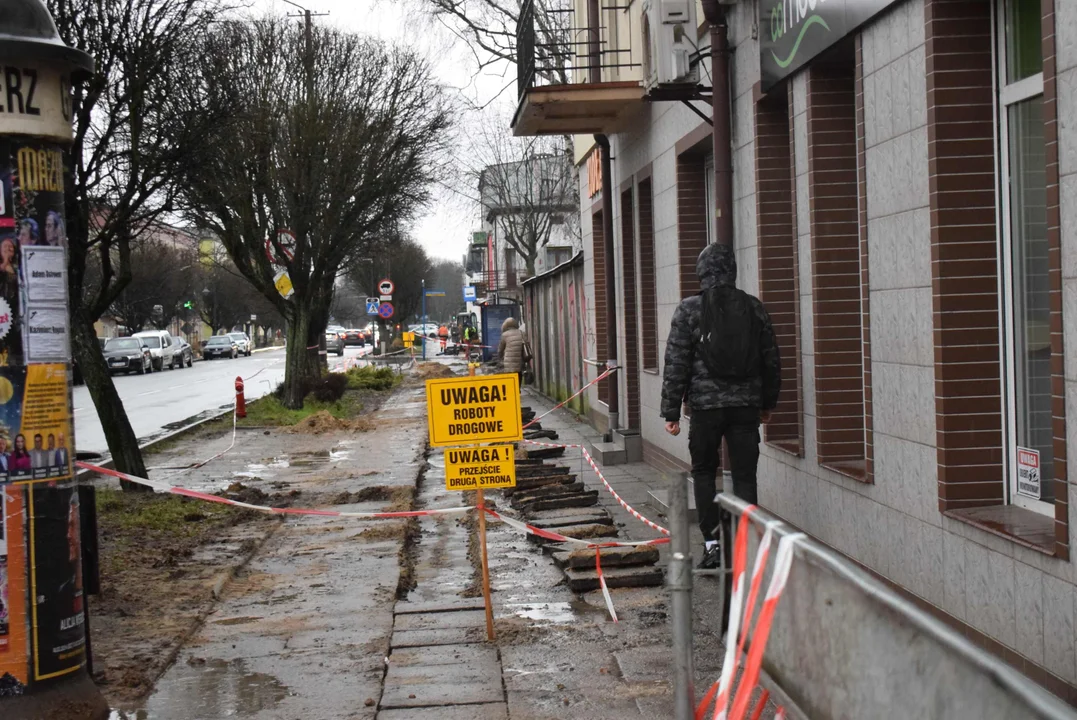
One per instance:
[(679, 581), (43, 630)]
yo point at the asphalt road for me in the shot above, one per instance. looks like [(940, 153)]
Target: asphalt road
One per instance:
[(163, 401)]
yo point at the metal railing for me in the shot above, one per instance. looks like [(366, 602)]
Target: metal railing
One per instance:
[(844, 645), (554, 47)]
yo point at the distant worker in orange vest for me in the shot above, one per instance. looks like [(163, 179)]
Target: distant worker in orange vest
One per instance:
[(443, 333)]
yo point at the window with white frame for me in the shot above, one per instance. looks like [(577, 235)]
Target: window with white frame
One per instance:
[(1024, 254)]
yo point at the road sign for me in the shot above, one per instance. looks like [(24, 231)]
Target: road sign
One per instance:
[(386, 287), (372, 306), (385, 310), (253, 317), (469, 293), (480, 467), (283, 283), (468, 410), (286, 241), (409, 339), (386, 298)]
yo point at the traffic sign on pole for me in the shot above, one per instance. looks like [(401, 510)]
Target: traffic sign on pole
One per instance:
[(372, 305), (386, 287), (286, 242), (385, 310)]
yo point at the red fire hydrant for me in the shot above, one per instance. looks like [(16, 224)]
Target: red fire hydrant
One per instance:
[(241, 403)]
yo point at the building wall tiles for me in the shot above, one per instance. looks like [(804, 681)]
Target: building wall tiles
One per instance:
[(894, 526), (1028, 607)]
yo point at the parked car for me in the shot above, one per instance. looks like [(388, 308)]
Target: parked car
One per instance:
[(184, 352), (354, 336), (334, 343), (243, 343), (127, 355), (162, 348), (220, 346)]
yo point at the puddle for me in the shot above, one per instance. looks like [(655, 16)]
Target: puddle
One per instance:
[(208, 689), (561, 613)]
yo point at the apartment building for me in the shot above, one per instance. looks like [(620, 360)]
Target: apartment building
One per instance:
[(904, 188)]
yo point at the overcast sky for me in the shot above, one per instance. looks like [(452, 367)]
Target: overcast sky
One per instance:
[(444, 228)]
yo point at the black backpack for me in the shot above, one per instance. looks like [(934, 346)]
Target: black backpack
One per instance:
[(729, 334)]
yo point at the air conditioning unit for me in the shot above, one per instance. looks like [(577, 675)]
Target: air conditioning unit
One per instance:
[(669, 42)]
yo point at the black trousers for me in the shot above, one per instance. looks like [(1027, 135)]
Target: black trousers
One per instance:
[(740, 428)]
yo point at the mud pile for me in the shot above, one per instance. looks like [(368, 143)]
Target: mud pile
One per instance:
[(322, 422)]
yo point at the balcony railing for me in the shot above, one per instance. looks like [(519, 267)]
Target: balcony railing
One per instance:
[(565, 49)]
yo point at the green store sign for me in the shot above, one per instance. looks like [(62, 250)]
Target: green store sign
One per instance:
[(792, 32)]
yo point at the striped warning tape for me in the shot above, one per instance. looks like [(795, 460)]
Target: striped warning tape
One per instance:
[(594, 466)]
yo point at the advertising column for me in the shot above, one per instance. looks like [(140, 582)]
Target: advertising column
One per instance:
[(42, 606)]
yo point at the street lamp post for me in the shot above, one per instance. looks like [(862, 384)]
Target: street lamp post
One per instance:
[(44, 641)]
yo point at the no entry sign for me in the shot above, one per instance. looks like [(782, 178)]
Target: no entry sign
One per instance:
[(469, 410)]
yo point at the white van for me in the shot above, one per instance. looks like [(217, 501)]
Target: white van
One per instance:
[(162, 347)]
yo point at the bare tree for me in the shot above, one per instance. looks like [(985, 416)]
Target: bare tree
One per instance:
[(492, 29), (135, 122), (527, 189), (337, 140), (163, 277)]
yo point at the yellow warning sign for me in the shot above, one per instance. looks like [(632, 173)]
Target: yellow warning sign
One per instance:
[(480, 467), (283, 282), (466, 410), (409, 339)]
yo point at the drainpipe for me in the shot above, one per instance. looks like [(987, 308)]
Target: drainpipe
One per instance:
[(722, 134), (613, 382)]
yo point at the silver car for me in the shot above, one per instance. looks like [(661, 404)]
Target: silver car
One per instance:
[(243, 343), (334, 343)]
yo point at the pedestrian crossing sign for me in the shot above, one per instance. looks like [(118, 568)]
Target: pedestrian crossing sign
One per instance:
[(372, 305)]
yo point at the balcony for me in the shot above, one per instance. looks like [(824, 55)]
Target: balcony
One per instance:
[(580, 72)]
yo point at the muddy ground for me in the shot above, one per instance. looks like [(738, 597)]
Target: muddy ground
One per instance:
[(166, 560)]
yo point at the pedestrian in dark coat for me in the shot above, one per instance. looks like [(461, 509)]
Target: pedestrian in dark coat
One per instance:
[(727, 407)]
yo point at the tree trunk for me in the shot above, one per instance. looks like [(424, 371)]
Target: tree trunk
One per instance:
[(121, 438), (301, 363)]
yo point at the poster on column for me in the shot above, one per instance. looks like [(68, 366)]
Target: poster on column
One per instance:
[(35, 424), (13, 626), (32, 216), (58, 626)]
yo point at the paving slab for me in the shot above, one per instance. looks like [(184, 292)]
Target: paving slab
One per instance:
[(448, 692), (584, 499), (441, 620), (616, 577), (442, 636), (488, 711), (581, 532), (444, 655), (438, 606), (611, 557)]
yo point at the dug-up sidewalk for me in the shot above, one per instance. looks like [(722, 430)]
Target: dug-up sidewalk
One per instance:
[(302, 631), (557, 653)]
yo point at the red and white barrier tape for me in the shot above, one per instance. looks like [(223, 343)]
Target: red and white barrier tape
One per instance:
[(602, 584), (632, 511), (557, 537), (734, 645), (172, 489), (573, 396), (590, 461)]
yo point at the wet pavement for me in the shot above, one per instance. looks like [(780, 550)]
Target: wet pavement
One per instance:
[(313, 628), (303, 630)]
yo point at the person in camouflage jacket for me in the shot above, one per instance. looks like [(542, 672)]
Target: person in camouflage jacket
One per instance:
[(720, 407)]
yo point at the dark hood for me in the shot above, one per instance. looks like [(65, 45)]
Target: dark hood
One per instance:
[(717, 265)]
